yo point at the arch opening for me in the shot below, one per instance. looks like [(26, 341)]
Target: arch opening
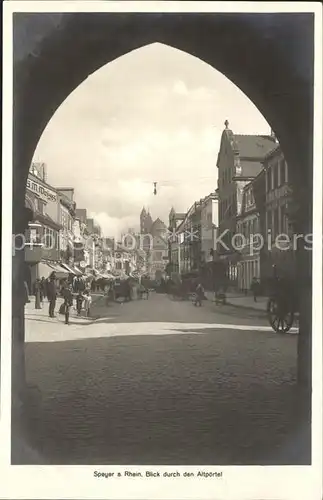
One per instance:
[(267, 83)]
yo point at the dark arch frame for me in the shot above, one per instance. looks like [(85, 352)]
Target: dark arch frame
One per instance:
[(268, 56), (262, 54)]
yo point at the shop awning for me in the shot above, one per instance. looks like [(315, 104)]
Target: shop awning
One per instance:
[(76, 271), (44, 270), (59, 270), (68, 268)]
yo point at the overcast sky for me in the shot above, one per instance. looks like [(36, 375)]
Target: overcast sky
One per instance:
[(153, 115)]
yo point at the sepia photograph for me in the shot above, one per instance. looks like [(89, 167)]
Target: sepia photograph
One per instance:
[(165, 293)]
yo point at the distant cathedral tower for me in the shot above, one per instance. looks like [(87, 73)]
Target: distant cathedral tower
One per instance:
[(145, 221)]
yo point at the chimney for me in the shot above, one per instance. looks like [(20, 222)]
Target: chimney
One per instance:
[(44, 172)]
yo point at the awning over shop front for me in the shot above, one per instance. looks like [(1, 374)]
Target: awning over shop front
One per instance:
[(68, 268), (59, 270), (78, 270), (44, 270)]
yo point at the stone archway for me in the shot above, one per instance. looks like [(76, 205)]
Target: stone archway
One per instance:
[(268, 56)]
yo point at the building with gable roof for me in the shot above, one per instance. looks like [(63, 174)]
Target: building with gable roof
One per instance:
[(145, 221), (192, 240), (159, 254), (155, 248), (239, 161)]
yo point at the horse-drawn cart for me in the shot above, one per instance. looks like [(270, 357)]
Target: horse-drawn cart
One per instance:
[(282, 305)]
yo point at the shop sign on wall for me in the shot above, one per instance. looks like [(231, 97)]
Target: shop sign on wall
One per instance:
[(43, 192)]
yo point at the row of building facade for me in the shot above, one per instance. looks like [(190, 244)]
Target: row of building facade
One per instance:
[(246, 222), (61, 236)]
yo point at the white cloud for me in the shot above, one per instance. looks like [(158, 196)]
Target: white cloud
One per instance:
[(180, 88)]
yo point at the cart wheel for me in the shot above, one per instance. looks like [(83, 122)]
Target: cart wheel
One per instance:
[(280, 320)]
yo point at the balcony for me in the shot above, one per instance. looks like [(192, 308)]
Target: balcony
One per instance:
[(35, 252)]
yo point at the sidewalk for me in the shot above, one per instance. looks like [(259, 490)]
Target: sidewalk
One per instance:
[(240, 300), (247, 301), (237, 299), (32, 313)]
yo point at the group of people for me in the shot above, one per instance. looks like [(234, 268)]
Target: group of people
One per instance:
[(48, 288)]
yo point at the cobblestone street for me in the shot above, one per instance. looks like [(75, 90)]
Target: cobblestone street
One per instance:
[(161, 382)]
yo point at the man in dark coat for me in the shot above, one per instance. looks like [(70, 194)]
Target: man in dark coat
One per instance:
[(68, 302), (43, 288), (255, 288), (52, 294), (199, 295)]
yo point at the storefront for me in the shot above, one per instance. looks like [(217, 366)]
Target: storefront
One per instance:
[(247, 269)]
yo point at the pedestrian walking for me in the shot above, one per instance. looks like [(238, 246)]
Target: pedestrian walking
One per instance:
[(78, 284), (38, 295), (68, 302), (199, 295), (52, 294), (43, 288), (107, 294), (255, 288), (127, 290), (79, 302), (87, 302)]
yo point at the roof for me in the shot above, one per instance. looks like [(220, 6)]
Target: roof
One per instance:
[(158, 224), (250, 168), (254, 146), (276, 150)]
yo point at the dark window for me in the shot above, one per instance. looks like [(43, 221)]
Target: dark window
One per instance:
[(269, 220), (284, 219), (276, 223), (252, 227), (39, 205), (268, 179), (282, 172), (275, 176)]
